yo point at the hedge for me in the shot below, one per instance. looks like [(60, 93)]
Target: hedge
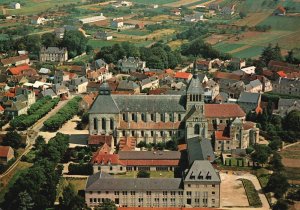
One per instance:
[(63, 115), (252, 194), (38, 104), (80, 169), (38, 111)]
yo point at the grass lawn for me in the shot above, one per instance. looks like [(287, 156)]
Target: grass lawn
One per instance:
[(252, 194), (153, 174), (226, 47), (135, 32), (10, 179), (282, 23), (78, 184)]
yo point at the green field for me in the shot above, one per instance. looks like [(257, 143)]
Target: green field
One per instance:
[(154, 1), (135, 32), (97, 43), (29, 7), (282, 23), (249, 53), (226, 47)]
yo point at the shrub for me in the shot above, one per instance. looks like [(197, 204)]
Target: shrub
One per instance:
[(80, 169)]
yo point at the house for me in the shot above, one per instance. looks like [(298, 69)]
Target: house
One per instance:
[(176, 12), (280, 11), (287, 86), (19, 70), (99, 75), (249, 70), (93, 19), (44, 71), (117, 22), (53, 54), (228, 10), (6, 154), (254, 86), (61, 90), (285, 106), (238, 63), (149, 83), (99, 63), (127, 85), (250, 102), (140, 26), (79, 85), (232, 87), (183, 77), (15, 5), (16, 60), (59, 32), (93, 87), (103, 35), (200, 178), (87, 101), (38, 20), (126, 3), (213, 6), (196, 17), (47, 92), (203, 65), (61, 76), (211, 90), (131, 64), (16, 109)]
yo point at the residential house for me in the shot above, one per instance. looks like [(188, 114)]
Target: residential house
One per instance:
[(16, 109), (214, 6), (99, 75), (228, 10), (15, 5), (53, 54), (93, 87), (140, 25), (44, 71), (103, 35), (183, 77), (254, 86), (6, 154), (149, 83), (131, 64), (126, 3), (287, 86), (20, 70), (249, 70), (117, 22), (250, 102), (232, 87), (280, 11), (211, 90), (47, 92), (61, 90), (176, 12), (196, 17), (127, 85), (60, 77), (99, 63), (87, 101), (79, 85), (38, 20), (285, 106), (15, 61), (203, 65), (59, 32)]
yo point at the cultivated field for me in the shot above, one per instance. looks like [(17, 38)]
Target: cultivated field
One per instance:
[(253, 19)]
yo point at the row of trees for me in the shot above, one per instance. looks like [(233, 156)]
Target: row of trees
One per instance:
[(39, 110), (36, 187), (169, 145), (80, 169), (158, 56), (63, 115)]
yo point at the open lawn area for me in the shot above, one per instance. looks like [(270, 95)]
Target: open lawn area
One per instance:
[(226, 47), (10, 179), (253, 19), (135, 32), (154, 1), (153, 174), (251, 52), (282, 23)]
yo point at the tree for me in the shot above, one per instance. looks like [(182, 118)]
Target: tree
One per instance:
[(276, 143), (143, 174), (278, 184), (49, 40), (75, 42), (107, 204), (39, 142), (276, 162), (141, 144), (267, 54), (260, 155), (13, 139), (70, 200), (242, 14), (25, 200), (292, 121), (280, 205)]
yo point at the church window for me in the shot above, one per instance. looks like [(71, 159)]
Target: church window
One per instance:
[(161, 133), (125, 117), (111, 123), (95, 124), (197, 98), (162, 117), (194, 98), (191, 97), (132, 133), (152, 133), (103, 124), (142, 133), (133, 117), (171, 117), (179, 117), (197, 129), (143, 115), (152, 117)]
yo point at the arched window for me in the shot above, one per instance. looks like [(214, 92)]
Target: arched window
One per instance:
[(133, 117), (197, 129), (103, 124), (111, 123), (95, 124), (143, 116)]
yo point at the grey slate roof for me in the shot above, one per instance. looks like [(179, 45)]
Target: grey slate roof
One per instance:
[(100, 63), (48, 92), (100, 182), (127, 85), (202, 170), (79, 81), (138, 103), (199, 149), (195, 86), (247, 97), (149, 155)]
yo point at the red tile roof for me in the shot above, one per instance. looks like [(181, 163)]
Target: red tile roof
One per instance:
[(88, 99), (182, 147), (1, 108), (163, 208), (183, 75), (4, 151), (127, 143), (248, 125), (151, 162), (100, 139), (281, 74), (158, 91), (106, 159), (13, 60), (223, 111), (220, 135), (19, 69), (281, 9), (149, 125)]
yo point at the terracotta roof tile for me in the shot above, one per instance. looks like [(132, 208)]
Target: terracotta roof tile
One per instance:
[(100, 139), (151, 162), (183, 75), (223, 111), (106, 159), (12, 60), (149, 125), (226, 75), (281, 74), (4, 151), (220, 135), (19, 69)]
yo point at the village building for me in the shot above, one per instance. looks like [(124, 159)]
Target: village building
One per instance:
[(194, 17), (131, 64), (117, 22), (149, 83), (6, 154), (250, 102), (280, 11), (53, 54), (101, 17), (103, 35), (204, 65), (78, 85), (287, 86), (285, 106), (16, 61), (38, 20), (15, 5)]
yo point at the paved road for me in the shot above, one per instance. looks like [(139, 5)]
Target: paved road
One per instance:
[(36, 127)]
